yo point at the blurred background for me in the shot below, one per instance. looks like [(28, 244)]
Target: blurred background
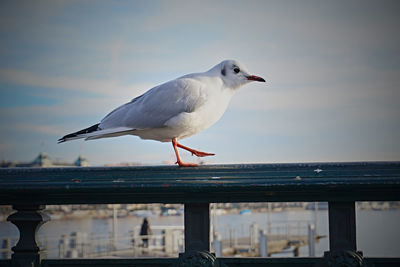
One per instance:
[(332, 71)]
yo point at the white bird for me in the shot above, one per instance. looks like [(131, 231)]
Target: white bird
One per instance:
[(174, 110)]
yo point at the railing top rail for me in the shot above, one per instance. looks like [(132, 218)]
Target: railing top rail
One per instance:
[(345, 181)]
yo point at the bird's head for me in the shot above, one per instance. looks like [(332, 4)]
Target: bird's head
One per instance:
[(235, 74)]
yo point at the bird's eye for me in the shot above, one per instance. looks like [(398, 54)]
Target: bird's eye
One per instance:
[(236, 70)]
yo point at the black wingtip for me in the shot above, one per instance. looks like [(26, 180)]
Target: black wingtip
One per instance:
[(65, 138), (90, 129)]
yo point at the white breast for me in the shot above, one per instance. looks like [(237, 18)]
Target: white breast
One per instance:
[(187, 124)]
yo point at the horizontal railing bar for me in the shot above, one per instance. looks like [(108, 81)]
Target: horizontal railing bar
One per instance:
[(190, 196), (231, 262), (297, 180), (236, 168), (262, 170), (237, 178), (371, 181)]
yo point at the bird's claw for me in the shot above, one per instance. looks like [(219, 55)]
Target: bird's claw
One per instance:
[(202, 154)]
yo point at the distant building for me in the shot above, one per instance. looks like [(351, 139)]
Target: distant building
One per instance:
[(44, 161), (81, 162)]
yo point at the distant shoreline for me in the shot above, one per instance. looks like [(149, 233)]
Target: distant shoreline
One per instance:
[(70, 212)]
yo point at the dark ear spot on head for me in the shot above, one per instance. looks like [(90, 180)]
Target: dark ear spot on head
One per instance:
[(223, 72)]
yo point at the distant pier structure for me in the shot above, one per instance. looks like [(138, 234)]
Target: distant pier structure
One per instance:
[(165, 241), (263, 243), (43, 160), (168, 241)]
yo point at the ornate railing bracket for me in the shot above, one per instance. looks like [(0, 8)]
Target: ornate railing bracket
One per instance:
[(344, 258), (198, 259), (28, 219)]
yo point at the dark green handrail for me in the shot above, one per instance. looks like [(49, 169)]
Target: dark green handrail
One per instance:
[(217, 183), (28, 190)]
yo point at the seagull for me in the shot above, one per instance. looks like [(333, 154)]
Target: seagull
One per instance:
[(174, 110)]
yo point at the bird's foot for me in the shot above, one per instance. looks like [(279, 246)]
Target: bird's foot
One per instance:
[(175, 145), (194, 151), (201, 154), (183, 164)]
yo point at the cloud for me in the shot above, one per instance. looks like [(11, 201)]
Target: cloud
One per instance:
[(332, 70), (98, 86), (179, 13), (68, 115), (39, 128)]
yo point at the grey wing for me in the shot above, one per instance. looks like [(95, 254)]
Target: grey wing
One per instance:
[(156, 106)]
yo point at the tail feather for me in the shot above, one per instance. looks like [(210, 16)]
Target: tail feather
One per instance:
[(79, 134), (113, 132), (94, 132)]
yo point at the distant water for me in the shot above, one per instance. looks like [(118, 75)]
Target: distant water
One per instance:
[(378, 232), (241, 223)]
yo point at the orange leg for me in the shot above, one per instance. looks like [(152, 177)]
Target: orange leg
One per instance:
[(175, 144), (195, 152)]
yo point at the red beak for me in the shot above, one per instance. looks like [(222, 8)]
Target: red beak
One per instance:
[(255, 78)]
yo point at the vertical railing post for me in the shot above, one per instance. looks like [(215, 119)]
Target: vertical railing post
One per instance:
[(263, 246), (311, 240), (197, 237), (197, 226), (28, 219), (342, 226), (217, 245), (342, 236)]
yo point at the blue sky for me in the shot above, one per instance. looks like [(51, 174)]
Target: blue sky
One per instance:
[(332, 71)]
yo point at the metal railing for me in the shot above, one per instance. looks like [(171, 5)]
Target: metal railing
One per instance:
[(339, 184)]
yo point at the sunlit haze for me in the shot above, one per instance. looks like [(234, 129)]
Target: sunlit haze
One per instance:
[(332, 70)]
